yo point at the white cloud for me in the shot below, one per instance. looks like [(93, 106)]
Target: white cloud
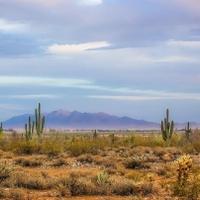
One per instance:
[(121, 93), (12, 26), (90, 2), (76, 48), (41, 81), (31, 96), (184, 43), (45, 3), (151, 95)]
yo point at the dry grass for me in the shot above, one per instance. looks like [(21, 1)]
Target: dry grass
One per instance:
[(80, 167)]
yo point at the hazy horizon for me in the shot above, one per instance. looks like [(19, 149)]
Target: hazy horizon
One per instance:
[(126, 58)]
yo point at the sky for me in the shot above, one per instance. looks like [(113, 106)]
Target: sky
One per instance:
[(123, 57)]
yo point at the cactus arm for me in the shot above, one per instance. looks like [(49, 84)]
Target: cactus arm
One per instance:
[(188, 130), (167, 127), (39, 121)]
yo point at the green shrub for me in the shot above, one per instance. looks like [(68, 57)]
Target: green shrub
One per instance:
[(102, 178)]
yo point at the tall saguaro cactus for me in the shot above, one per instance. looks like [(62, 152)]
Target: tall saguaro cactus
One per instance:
[(29, 128), (39, 121), (1, 128), (167, 127), (95, 134), (188, 131)]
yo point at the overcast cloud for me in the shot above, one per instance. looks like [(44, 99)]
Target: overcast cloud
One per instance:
[(127, 57)]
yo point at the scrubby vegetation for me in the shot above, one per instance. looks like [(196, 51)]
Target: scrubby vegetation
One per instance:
[(104, 166), (133, 166)]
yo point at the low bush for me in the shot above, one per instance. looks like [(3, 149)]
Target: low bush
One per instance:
[(24, 162), (135, 163), (122, 186), (5, 170)]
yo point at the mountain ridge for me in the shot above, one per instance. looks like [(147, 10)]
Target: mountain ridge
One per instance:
[(63, 119), (82, 120)]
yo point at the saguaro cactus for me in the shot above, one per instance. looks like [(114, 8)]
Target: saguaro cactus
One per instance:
[(112, 137), (95, 134), (1, 128), (188, 131), (39, 121), (167, 127), (29, 128)]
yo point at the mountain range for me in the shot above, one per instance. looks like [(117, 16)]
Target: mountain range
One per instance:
[(62, 119)]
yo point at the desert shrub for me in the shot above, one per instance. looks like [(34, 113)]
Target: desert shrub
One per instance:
[(59, 162), (25, 180), (122, 186), (84, 146), (27, 147), (18, 195), (52, 147), (85, 158), (102, 178), (136, 162), (183, 166), (5, 170), (193, 190), (63, 191), (146, 188), (81, 186), (152, 140), (105, 162), (28, 162), (135, 176), (195, 140)]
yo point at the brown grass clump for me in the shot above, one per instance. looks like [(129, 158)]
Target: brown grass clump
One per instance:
[(6, 170), (85, 159), (29, 181), (85, 146), (135, 163), (122, 186), (18, 195), (28, 162), (60, 162)]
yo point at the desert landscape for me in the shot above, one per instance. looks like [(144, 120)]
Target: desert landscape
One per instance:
[(99, 100), (93, 165)]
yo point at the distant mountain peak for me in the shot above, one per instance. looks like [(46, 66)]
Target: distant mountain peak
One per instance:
[(78, 120), (60, 112)]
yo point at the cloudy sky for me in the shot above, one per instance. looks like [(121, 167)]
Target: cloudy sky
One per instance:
[(124, 57)]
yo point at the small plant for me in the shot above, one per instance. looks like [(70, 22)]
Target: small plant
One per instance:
[(95, 134), (167, 127), (136, 162), (29, 128), (5, 170), (112, 137), (184, 165), (102, 178), (39, 121), (1, 127), (188, 131)]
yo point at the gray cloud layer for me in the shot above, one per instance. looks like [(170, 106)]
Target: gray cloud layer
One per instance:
[(130, 45)]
